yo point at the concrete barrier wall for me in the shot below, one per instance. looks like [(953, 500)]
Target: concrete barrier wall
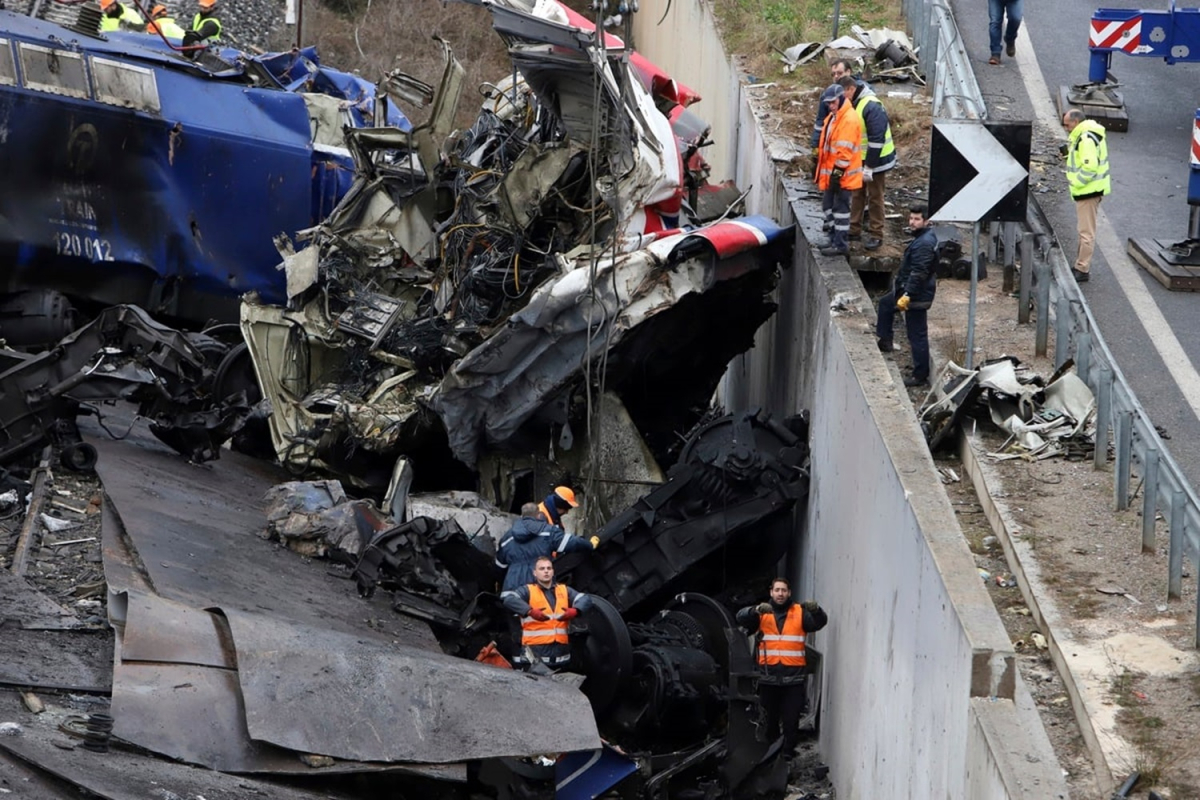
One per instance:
[(687, 45), (920, 675)]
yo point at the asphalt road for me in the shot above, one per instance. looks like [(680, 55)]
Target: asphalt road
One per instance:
[(1153, 333)]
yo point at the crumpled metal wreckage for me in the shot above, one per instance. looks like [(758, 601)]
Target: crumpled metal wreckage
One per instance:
[(121, 354), (469, 295), (467, 298), (1043, 418)]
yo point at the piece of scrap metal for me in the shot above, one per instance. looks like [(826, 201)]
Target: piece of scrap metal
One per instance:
[(333, 693), (121, 774), (174, 662), (159, 630), (195, 532)]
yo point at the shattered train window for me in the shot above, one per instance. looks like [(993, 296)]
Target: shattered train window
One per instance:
[(125, 85), (54, 71), (8, 69)]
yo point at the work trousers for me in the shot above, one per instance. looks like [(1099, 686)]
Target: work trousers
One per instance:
[(782, 706), (836, 204), (916, 326), (870, 199), (996, 12), (1085, 212)]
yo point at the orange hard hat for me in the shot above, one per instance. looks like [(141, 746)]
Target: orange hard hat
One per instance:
[(105, 4), (158, 11), (567, 494), (205, 5)]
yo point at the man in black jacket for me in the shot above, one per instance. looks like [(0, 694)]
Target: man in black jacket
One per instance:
[(782, 627), (912, 293)]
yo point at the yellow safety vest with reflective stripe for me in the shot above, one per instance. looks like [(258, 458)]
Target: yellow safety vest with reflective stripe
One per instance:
[(198, 20), (784, 647), (552, 631), (888, 146), (169, 27), (129, 19), (1087, 161)]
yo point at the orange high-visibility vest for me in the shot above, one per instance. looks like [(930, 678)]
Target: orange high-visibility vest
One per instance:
[(784, 647), (840, 149), (552, 631)]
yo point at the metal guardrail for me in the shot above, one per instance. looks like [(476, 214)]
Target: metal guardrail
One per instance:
[(1136, 444), (943, 59)]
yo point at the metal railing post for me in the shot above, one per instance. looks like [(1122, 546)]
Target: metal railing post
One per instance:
[(1042, 309), (1124, 447), (1104, 381), (1149, 499), (1175, 551), (1062, 330), (1027, 268), (1083, 355), (1009, 236), (929, 51), (1196, 638)]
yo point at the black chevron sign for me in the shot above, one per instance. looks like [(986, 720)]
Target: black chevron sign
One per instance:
[(979, 172)]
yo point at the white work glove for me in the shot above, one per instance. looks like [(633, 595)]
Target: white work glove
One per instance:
[(868, 174)]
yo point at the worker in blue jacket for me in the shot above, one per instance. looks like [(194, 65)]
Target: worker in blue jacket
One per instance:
[(531, 538), (912, 293)]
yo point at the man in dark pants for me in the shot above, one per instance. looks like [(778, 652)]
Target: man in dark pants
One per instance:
[(782, 627), (912, 293), (839, 166), (545, 609)]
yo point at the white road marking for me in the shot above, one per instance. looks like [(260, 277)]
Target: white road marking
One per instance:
[(1180, 367)]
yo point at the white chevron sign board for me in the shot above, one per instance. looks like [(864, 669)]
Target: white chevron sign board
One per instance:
[(979, 171)]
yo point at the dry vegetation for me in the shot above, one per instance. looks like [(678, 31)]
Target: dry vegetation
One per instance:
[(372, 37)]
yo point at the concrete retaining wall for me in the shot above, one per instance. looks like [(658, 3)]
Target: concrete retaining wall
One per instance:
[(922, 698)]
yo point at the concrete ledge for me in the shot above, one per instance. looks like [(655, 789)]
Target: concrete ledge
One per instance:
[(1023, 563), (1021, 761)]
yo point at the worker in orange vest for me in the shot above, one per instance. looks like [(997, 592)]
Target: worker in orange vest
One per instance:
[(546, 609), (782, 629), (839, 165), (557, 504)]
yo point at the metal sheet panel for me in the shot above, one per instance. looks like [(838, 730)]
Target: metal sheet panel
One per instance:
[(161, 630), (120, 567), (334, 693), (195, 530), (125, 85), (123, 775), (49, 69), (149, 700)]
